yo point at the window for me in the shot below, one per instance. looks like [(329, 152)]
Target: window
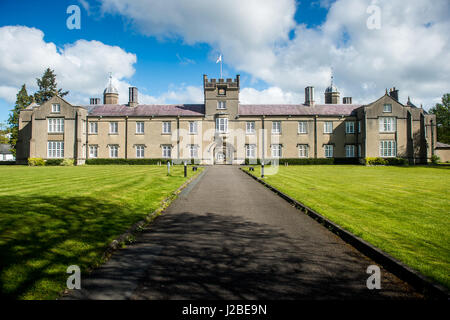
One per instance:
[(140, 151), (113, 151), (55, 125), (250, 151), (113, 128), (250, 127), (328, 151), (167, 127), (93, 151), (193, 151), (56, 108), (328, 127), (388, 148), (276, 127), (222, 125), (221, 105), (84, 126), (349, 127), (55, 149), (167, 151), (276, 151), (350, 151), (359, 126), (387, 108), (93, 127), (193, 127), (387, 124), (359, 150), (139, 127), (302, 127), (303, 151)]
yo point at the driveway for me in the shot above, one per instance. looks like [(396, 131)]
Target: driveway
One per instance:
[(228, 237)]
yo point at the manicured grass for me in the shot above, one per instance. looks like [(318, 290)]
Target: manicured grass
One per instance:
[(402, 210), (54, 217)]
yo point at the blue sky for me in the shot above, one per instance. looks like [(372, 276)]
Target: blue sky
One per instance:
[(277, 55)]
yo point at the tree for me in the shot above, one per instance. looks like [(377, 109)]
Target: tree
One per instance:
[(442, 112), (4, 139), (22, 101), (47, 87)]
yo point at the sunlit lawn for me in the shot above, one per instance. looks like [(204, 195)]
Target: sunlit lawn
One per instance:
[(54, 217), (404, 211)]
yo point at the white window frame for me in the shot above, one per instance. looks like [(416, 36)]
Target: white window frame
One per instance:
[(387, 107), (250, 151), (56, 108), (222, 125), (388, 148), (140, 127), (93, 151), (250, 127), (166, 151), (167, 127), (277, 150), (93, 127), (113, 151), (193, 127), (193, 151), (303, 151), (349, 127), (140, 151), (388, 124), (302, 127), (56, 125), (276, 127), (359, 126), (359, 150), (329, 150), (113, 127), (328, 127), (350, 151), (55, 149), (221, 105)]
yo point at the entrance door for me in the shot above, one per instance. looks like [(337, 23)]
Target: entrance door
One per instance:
[(220, 156)]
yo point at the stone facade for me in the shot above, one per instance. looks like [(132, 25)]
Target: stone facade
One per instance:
[(221, 130)]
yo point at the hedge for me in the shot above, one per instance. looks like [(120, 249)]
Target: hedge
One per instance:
[(292, 161), (7, 163), (386, 161), (36, 162), (102, 161)]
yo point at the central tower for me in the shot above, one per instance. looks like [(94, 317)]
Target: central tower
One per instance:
[(221, 97)]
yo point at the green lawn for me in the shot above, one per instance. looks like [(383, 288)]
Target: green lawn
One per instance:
[(53, 217), (401, 210)]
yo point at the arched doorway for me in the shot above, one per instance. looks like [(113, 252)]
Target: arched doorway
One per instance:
[(223, 154)]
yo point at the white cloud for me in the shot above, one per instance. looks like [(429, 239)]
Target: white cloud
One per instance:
[(269, 96), (411, 50)]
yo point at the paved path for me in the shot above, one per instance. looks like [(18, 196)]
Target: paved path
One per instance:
[(229, 237)]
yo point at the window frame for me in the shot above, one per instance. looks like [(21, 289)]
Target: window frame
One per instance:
[(55, 149), (389, 147), (304, 126), (350, 125), (113, 124), (327, 149), (193, 151), (116, 153), (274, 127), (305, 149), (140, 151), (385, 125), (164, 148), (192, 125), (91, 125), (221, 105), (351, 154), (55, 125), (325, 127), (56, 110), (224, 125), (93, 155), (278, 148), (250, 151), (140, 127), (389, 109), (166, 125), (252, 128)]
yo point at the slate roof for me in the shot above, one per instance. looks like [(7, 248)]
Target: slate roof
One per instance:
[(199, 110), (147, 110), (5, 149), (298, 109)]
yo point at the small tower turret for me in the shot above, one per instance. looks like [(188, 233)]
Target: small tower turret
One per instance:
[(111, 94), (332, 95)]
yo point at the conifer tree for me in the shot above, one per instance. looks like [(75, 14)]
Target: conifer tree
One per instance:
[(22, 101), (47, 87)]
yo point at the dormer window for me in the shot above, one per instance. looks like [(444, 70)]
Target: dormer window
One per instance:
[(387, 108), (221, 105), (56, 108)]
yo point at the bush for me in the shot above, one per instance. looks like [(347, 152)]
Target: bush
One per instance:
[(53, 162), (103, 161), (7, 163), (67, 162), (36, 162), (386, 161), (294, 161), (435, 159)]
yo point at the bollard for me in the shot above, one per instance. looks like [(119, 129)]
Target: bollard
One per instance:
[(185, 169), (262, 170), (168, 168)]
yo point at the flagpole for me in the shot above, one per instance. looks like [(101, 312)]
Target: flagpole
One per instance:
[(221, 67)]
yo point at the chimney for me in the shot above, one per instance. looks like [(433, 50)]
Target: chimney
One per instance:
[(94, 101), (309, 96), (347, 100), (394, 94), (133, 97)]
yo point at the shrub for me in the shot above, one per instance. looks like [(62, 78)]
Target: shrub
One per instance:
[(435, 159), (67, 162), (35, 162), (293, 161), (377, 161), (53, 162), (103, 161)]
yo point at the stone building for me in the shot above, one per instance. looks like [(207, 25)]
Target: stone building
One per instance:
[(223, 131)]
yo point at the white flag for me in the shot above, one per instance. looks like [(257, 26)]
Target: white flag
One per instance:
[(219, 59)]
